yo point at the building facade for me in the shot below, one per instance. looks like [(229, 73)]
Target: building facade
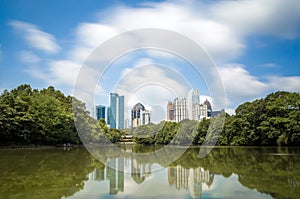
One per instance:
[(116, 116), (170, 112), (209, 108), (177, 110), (100, 112), (180, 109), (139, 115), (199, 111)]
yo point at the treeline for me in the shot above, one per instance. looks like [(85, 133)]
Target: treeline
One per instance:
[(271, 121), (36, 117), (46, 117)]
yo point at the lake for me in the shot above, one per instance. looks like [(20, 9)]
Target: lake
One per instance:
[(226, 172)]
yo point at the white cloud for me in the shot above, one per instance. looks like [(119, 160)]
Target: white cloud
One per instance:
[(64, 72), (29, 57), (239, 84), (269, 65), (35, 37), (276, 17), (151, 85), (218, 39), (221, 27), (284, 83)]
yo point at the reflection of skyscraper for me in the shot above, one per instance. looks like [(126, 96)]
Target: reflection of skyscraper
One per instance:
[(139, 171), (115, 175), (190, 179), (97, 175), (116, 111)]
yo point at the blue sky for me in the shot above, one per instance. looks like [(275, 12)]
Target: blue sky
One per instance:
[(255, 45)]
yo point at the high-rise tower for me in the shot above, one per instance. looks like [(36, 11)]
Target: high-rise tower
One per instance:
[(195, 97), (116, 111), (139, 115)]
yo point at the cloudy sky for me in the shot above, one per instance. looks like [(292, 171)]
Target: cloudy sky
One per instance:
[(255, 46)]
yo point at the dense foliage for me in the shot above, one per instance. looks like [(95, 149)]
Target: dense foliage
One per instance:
[(30, 116), (274, 120)]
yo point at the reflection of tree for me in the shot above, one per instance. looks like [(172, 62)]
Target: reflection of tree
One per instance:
[(50, 173), (53, 173), (267, 170)]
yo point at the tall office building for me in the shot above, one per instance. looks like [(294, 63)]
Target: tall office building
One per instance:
[(195, 97), (209, 108), (116, 115), (100, 112), (199, 111), (107, 119), (170, 112), (180, 109), (177, 110), (139, 115), (145, 117)]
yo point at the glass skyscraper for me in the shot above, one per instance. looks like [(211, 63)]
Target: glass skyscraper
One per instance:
[(100, 112), (116, 111)]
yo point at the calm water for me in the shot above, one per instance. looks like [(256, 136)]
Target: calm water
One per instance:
[(224, 173)]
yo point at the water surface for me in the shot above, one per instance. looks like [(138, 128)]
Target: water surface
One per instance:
[(226, 172)]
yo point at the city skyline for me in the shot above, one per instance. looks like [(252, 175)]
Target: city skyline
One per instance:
[(180, 109)]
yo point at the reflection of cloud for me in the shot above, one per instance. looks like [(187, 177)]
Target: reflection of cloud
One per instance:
[(231, 188)]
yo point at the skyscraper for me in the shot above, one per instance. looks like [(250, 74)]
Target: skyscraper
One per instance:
[(180, 109), (139, 115), (170, 112), (195, 97), (199, 111), (100, 112), (209, 108), (108, 115), (116, 115)]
